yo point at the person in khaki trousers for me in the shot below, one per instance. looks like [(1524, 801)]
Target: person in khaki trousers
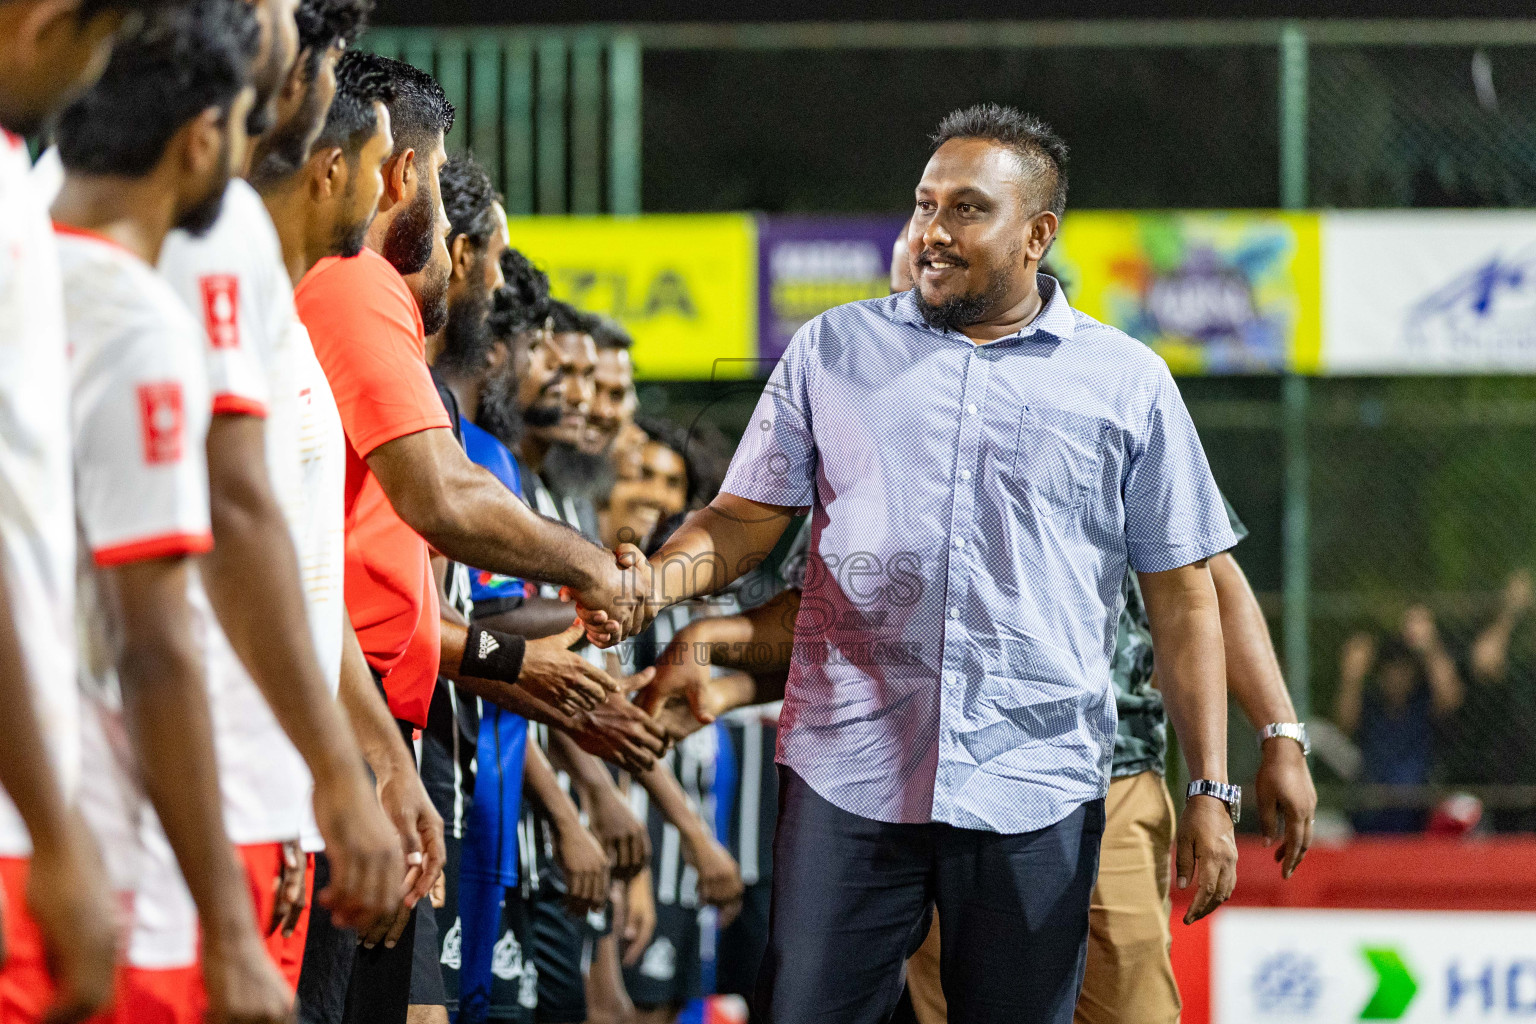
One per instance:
[(1129, 977)]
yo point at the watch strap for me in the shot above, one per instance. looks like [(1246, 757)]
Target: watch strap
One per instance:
[(1288, 730)]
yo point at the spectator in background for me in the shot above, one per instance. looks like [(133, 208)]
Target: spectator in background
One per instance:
[(1493, 741), (1393, 695)]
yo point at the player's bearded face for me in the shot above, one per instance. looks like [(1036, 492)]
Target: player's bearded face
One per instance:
[(409, 241)]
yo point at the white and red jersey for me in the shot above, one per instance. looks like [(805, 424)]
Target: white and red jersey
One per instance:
[(36, 525), (233, 280), (139, 426), (321, 539)]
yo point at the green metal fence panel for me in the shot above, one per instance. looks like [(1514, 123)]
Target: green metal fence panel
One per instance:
[(517, 127), (550, 125), (624, 126)]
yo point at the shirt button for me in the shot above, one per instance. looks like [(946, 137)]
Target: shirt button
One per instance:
[(971, 408), (965, 474), (954, 613), (959, 542)]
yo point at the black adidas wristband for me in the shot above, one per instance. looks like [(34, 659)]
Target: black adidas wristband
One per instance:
[(489, 654)]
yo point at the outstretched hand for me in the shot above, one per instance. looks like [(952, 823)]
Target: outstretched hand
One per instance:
[(624, 604)]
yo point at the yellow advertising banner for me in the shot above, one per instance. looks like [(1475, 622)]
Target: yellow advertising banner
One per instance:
[(1211, 292), (683, 285)]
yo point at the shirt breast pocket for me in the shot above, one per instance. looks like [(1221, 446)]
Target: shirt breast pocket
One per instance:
[(1057, 458)]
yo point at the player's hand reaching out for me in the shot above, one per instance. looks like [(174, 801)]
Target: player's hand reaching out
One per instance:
[(621, 734), (561, 678), (625, 604), (682, 671)]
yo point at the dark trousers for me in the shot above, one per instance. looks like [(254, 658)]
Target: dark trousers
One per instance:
[(852, 899), (340, 982)]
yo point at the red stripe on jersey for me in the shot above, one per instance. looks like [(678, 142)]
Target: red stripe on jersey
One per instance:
[(237, 405), (166, 545), (95, 236)]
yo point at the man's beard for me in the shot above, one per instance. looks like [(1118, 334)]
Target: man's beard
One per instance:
[(203, 214), (434, 300), (573, 473), (349, 238), (499, 413), (467, 335), (408, 242), (962, 311)]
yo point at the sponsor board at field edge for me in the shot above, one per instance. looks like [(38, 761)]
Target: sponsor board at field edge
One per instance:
[(1336, 966), (1211, 292), (684, 285), (807, 265), (1429, 292)]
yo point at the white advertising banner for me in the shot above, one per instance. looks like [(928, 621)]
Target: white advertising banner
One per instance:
[(1273, 966), (1428, 292)]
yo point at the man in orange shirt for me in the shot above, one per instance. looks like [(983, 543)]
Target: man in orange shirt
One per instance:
[(409, 484)]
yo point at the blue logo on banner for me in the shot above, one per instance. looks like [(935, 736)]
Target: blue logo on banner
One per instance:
[(1287, 983)]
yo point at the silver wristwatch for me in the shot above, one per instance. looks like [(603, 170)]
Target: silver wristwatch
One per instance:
[(1227, 793), (1290, 730)]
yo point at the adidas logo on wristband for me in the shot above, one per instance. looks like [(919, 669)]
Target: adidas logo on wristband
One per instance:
[(488, 644)]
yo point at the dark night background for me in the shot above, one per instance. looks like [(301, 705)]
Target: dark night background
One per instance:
[(473, 12)]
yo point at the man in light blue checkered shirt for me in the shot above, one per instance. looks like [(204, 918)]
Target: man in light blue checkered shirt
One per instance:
[(981, 462)]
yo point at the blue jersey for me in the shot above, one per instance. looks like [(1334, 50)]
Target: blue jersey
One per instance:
[(490, 840), (485, 450)]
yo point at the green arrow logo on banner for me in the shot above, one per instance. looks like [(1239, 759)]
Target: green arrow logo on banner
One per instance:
[(1395, 987)]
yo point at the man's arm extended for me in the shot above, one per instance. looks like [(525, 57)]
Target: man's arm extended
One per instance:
[(1190, 664), (615, 730), (623, 836), (713, 547), (67, 893), (470, 516), (252, 580), (1284, 784), (720, 882), (165, 703), (580, 855), (759, 644)]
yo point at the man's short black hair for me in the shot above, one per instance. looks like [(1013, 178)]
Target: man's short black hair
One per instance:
[(327, 23), (522, 304), (609, 333), (352, 120), (420, 110), (1042, 152), (567, 319), (180, 62), (469, 196)]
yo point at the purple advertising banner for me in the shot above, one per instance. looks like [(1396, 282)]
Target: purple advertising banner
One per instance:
[(807, 265)]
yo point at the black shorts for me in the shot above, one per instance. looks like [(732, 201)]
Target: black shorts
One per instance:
[(560, 955), (514, 970), (669, 972), (740, 947), (426, 974)]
